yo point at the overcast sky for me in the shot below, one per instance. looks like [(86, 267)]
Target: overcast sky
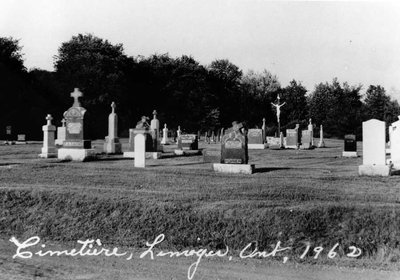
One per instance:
[(312, 42)]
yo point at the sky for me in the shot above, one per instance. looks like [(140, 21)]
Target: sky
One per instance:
[(311, 42)]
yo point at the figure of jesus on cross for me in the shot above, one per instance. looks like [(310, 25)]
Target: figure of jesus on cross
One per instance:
[(76, 94), (278, 112)]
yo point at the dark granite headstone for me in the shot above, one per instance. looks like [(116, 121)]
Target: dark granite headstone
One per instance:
[(234, 146), (76, 130), (350, 143), (255, 136), (213, 156), (188, 142), (149, 140)]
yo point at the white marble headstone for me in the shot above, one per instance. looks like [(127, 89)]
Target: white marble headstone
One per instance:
[(140, 150), (374, 142)]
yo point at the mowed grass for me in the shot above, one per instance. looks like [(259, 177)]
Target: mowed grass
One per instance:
[(295, 196)]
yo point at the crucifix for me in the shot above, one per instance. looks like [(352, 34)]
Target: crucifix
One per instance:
[(76, 94), (113, 107), (278, 113)]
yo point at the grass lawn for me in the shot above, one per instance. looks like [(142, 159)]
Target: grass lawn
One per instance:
[(295, 196)]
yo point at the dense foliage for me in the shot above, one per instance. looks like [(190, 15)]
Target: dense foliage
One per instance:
[(184, 92)]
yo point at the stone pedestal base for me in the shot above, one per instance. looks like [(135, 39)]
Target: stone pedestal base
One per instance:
[(234, 168), (374, 170), (48, 153), (76, 154), (256, 146), (349, 154), (59, 142), (155, 155), (112, 146), (295, 147)]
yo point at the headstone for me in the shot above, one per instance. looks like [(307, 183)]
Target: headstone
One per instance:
[(321, 143), (49, 146), (234, 153), (9, 138), (155, 130), (150, 149), (140, 147), (350, 146), (264, 129), (234, 147), (164, 140), (395, 144), (178, 133), (311, 128), (112, 144), (76, 145), (306, 138), (21, 139), (213, 156), (274, 143), (292, 139), (188, 142), (255, 139), (374, 154), (61, 132)]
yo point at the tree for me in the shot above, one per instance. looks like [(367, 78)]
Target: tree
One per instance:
[(379, 105), (296, 107), (336, 107), (96, 67), (259, 90), (224, 81)]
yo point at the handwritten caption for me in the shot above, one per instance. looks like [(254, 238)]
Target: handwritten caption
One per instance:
[(91, 247)]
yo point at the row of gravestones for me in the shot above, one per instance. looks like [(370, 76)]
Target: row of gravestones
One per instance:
[(74, 144)]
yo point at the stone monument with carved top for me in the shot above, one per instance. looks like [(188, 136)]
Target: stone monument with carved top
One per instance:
[(112, 144), (76, 145)]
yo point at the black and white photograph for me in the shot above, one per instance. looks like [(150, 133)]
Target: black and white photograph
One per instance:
[(199, 140)]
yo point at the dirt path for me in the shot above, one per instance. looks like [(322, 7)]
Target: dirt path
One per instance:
[(96, 268)]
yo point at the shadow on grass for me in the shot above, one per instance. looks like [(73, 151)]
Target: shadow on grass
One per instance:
[(269, 169)]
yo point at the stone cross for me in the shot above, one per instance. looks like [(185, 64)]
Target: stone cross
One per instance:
[(76, 94), (113, 107), (63, 121), (49, 118)]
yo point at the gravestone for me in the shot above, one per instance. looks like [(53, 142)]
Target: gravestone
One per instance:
[(255, 139), (188, 142), (321, 143), (264, 129), (61, 132), (374, 154), (234, 152), (49, 146), (306, 139), (292, 139), (112, 144), (178, 133), (311, 128), (140, 147), (150, 149), (213, 156), (350, 146), (21, 139), (164, 140), (155, 132), (76, 145), (395, 144)]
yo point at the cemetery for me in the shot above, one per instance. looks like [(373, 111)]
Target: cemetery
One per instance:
[(260, 139), (291, 187)]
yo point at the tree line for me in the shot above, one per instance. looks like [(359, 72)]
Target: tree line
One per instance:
[(196, 97)]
